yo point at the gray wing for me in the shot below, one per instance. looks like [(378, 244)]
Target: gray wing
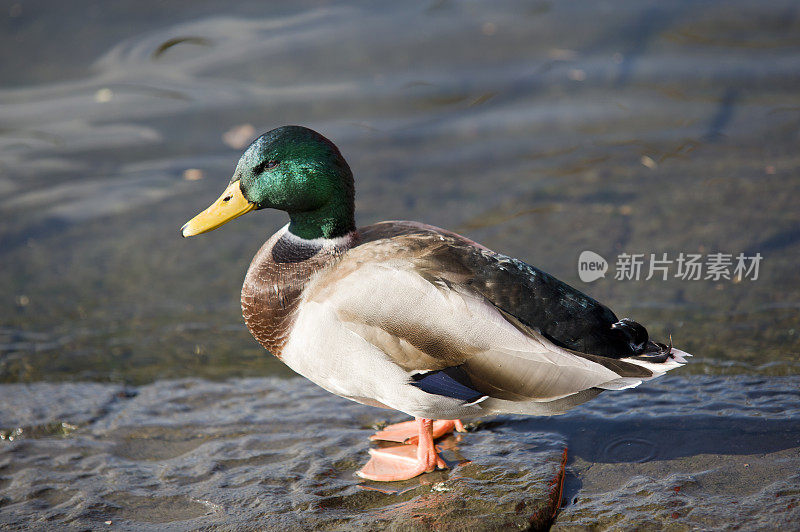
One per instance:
[(429, 318), (564, 315)]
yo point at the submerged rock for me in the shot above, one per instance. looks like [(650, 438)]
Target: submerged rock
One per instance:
[(254, 454)]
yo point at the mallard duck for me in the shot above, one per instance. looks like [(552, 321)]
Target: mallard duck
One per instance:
[(410, 317)]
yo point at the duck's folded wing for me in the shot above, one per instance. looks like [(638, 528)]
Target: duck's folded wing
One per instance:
[(564, 315), (426, 323)]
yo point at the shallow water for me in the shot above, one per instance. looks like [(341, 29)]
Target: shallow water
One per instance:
[(540, 129)]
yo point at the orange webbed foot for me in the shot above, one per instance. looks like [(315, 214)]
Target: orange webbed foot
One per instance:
[(407, 431), (402, 462)]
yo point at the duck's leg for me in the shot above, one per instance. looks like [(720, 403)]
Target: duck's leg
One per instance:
[(406, 432), (405, 461)]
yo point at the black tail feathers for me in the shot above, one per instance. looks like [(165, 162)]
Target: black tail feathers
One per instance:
[(639, 341)]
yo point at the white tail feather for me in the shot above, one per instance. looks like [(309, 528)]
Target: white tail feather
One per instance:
[(622, 383), (677, 359)]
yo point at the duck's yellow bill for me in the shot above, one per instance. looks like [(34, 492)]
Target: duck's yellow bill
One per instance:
[(231, 204)]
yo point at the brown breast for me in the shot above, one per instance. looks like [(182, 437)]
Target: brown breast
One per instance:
[(285, 264), (275, 282)]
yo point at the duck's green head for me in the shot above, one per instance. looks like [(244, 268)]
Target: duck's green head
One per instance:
[(293, 169)]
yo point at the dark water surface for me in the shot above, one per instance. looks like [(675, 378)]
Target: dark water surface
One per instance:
[(541, 129)]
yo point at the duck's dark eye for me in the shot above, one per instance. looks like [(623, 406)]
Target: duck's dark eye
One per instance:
[(266, 165)]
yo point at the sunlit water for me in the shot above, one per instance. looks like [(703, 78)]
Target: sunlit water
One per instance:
[(539, 129)]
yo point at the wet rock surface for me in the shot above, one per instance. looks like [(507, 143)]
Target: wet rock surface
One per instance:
[(708, 453), (254, 454), (679, 453)]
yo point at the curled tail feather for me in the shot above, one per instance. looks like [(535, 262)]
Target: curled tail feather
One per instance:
[(644, 348)]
